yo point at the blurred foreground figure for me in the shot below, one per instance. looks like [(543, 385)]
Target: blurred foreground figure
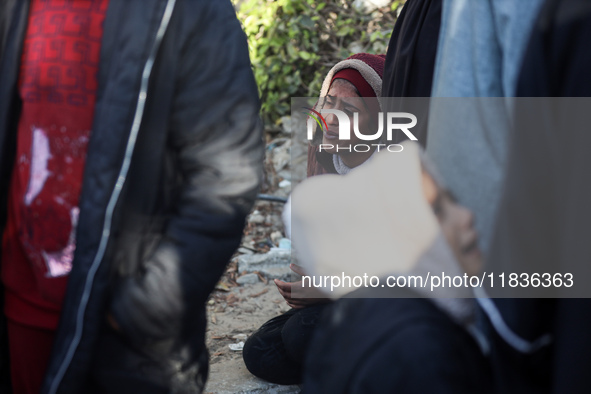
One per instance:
[(543, 345), (130, 154), (533, 345), (481, 47), (389, 339)]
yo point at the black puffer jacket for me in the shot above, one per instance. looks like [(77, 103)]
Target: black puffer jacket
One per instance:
[(173, 166)]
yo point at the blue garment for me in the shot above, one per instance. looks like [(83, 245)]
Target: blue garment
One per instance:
[(481, 46)]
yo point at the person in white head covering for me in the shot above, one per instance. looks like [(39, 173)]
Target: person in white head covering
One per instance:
[(390, 218), (351, 85), (275, 352)]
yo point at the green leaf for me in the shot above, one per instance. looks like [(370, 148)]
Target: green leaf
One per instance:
[(291, 51), (305, 55), (343, 31), (306, 22)]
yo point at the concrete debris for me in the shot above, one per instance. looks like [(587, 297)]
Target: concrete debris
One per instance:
[(248, 279), (274, 221), (285, 174), (281, 155), (298, 150), (276, 236), (264, 254), (256, 218), (236, 347), (286, 124), (272, 265)]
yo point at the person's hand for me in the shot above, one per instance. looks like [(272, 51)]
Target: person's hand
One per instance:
[(304, 296)]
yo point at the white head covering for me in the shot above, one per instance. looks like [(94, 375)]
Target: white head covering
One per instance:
[(358, 222), (374, 221)]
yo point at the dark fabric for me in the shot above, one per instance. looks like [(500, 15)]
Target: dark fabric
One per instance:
[(544, 213), (515, 371), (118, 368), (385, 345), (193, 176), (6, 12), (13, 24), (410, 60), (277, 350), (556, 62), (572, 347)]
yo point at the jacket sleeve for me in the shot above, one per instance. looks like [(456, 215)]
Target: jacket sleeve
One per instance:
[(215, 132)]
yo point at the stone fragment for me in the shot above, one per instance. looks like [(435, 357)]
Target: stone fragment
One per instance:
[(256, 218), (276, 236), (272, 265), (248, 279)]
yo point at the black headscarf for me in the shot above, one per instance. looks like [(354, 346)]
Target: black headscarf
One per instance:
[(410, 60)]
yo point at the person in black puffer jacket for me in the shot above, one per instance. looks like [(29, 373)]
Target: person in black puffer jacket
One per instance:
[(130, 154)]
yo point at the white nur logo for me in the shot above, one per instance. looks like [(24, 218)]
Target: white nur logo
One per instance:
[(345, 125)]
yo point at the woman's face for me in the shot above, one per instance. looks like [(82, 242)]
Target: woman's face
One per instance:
[(457, 225), (343, 96)]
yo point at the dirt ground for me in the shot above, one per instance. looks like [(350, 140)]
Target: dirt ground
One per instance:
[(236, 311), (230, 322)]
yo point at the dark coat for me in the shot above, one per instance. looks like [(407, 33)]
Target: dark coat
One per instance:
[(173, 166), (542, 344), (392, 345)]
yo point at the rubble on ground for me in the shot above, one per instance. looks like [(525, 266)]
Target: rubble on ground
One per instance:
[(272, 265), (246, 296)]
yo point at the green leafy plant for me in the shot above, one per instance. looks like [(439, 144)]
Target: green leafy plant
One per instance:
[(293, 44)]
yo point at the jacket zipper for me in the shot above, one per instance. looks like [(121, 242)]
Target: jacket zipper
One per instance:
[(137, 121)]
